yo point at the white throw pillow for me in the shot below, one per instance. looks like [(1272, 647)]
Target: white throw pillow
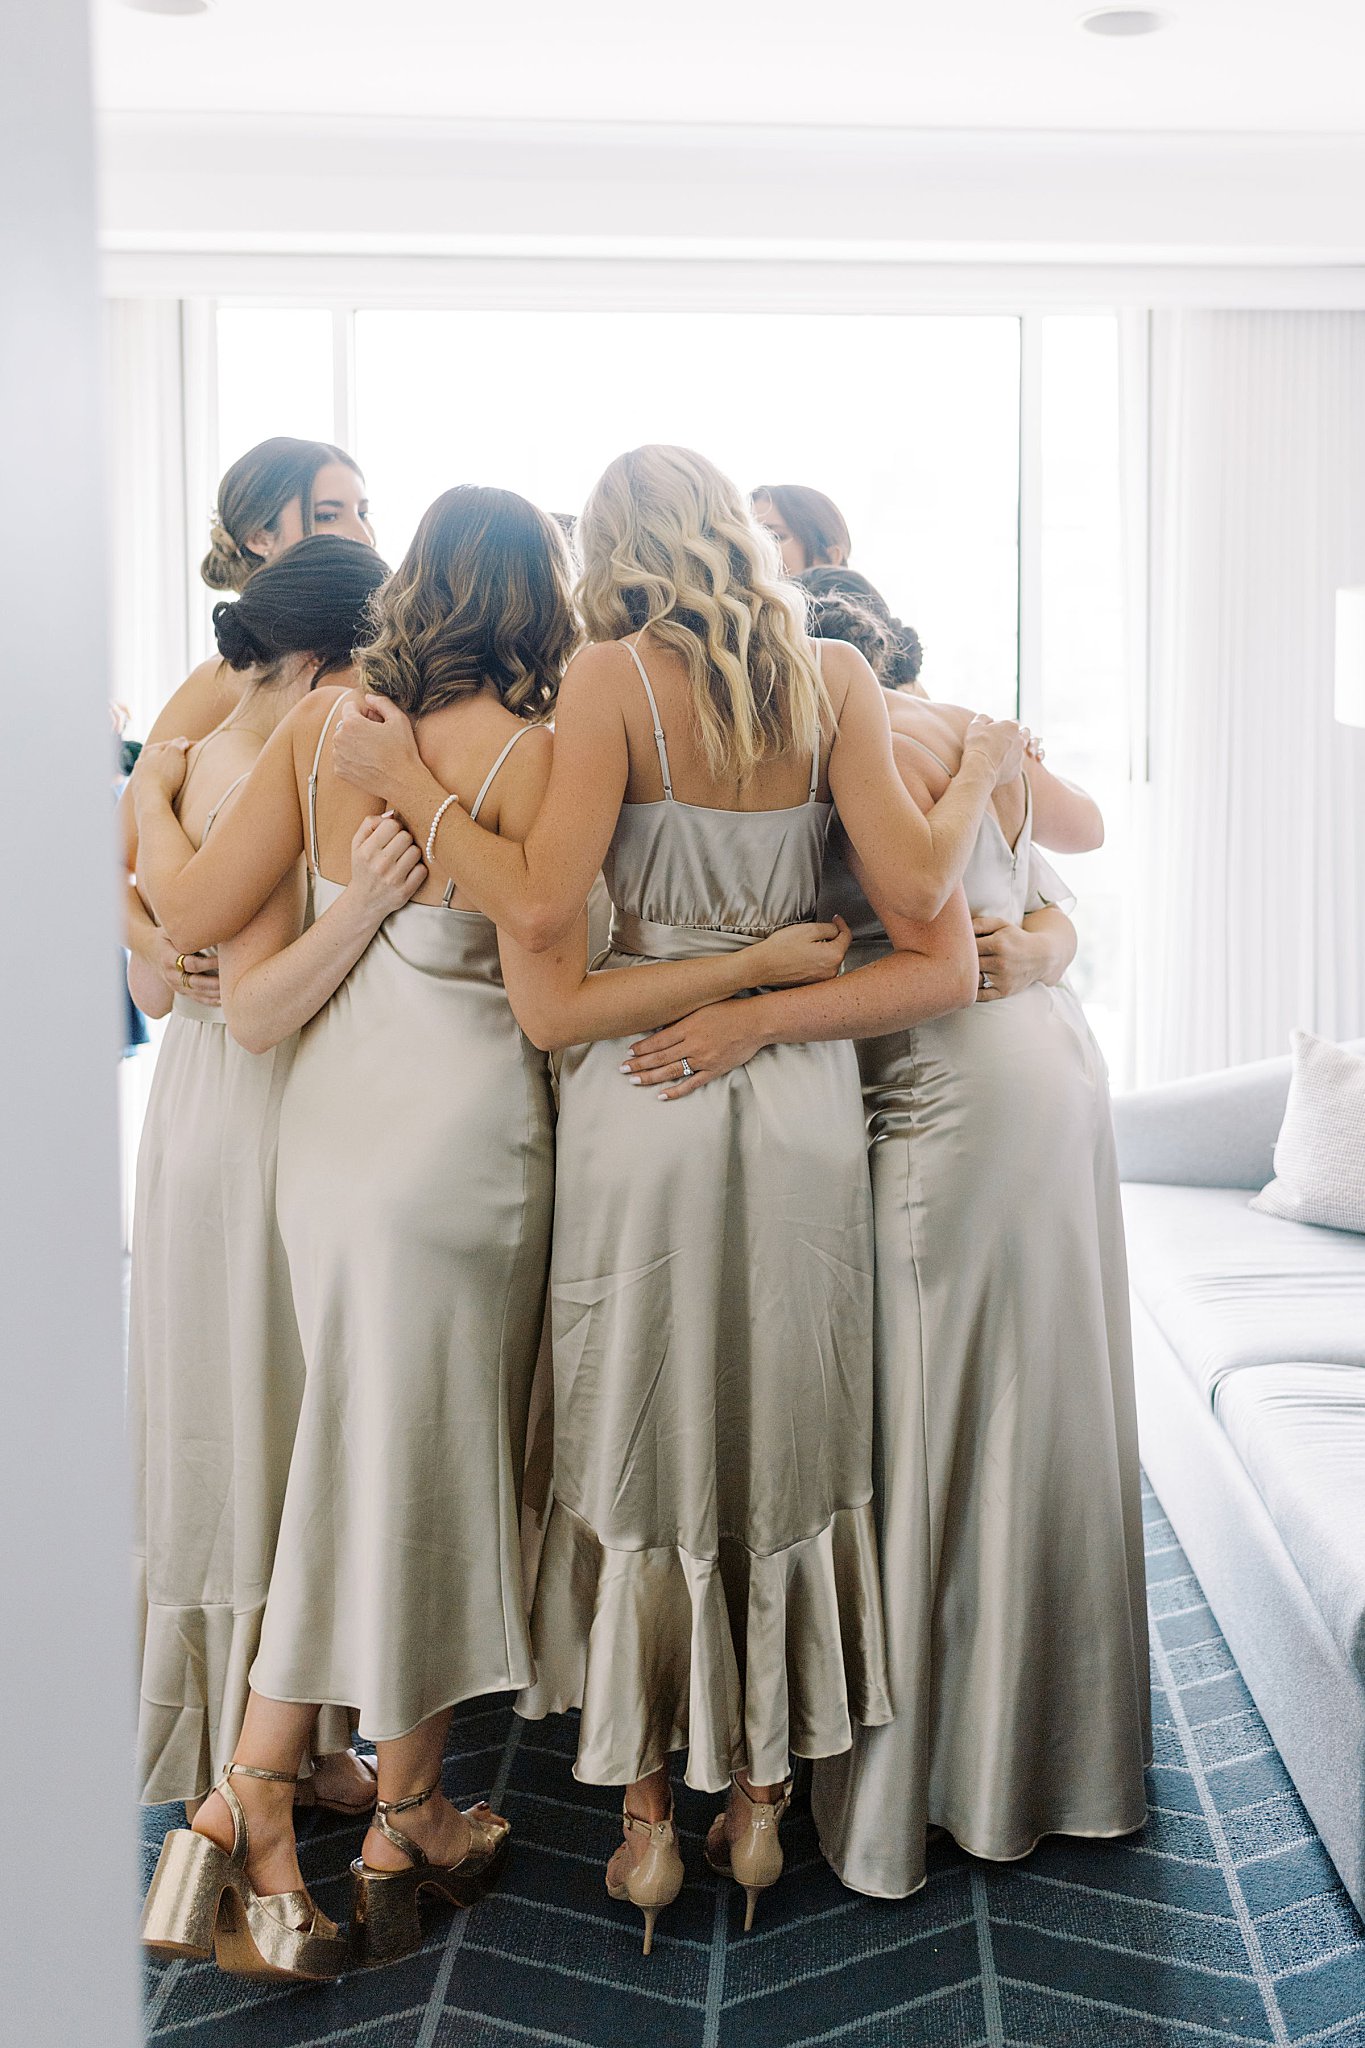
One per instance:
[(1320, 1152)]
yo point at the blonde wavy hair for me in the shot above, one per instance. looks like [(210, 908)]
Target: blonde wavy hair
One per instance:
[(481, 598), (667, 541)]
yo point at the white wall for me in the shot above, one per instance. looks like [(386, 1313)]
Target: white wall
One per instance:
[(68, 1871), (307, 183)]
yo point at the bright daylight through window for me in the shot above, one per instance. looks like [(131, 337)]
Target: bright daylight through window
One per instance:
[(911, 423)]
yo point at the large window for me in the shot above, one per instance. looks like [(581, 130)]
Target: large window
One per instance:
[(912, 423)]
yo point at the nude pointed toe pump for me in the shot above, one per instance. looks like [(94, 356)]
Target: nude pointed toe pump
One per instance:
[(655, 1881), (201, 1903), (385, 1924), (755, 1858)]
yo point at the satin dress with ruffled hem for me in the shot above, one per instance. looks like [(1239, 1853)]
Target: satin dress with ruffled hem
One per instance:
[(1006, 1440), (215, 1379), (416, 1184), (708, 1575)]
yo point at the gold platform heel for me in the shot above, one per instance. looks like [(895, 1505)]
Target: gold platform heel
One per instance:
[(655, 1881), (385, 1924), (755, 1860), (202, 1903)]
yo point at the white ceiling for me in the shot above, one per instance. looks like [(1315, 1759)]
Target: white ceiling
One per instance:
[(1276, 66)]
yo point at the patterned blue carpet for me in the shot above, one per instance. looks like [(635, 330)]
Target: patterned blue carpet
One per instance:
[(1223, 1921)]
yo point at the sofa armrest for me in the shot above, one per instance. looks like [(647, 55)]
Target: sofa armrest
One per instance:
[(1211, 1131)]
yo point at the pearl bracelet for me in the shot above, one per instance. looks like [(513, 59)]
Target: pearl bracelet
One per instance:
[(440, 813)]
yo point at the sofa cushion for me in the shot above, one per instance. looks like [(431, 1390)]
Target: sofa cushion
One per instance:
[(1229, 1288), (1320, 1152), (1300, 1432)]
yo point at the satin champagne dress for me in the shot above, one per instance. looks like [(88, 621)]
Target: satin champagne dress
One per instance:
[(1006, 1437), (415, 1192), (215, 1378), (708, 1579)]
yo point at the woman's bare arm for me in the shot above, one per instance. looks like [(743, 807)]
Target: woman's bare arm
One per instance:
[(1066, 819), (202, 898), (276, 976), (913, 858), (533, 890)]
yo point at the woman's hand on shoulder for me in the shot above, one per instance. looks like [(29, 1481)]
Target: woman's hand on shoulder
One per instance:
[(1001, 742), (386, 869), (799, 953), (710, 1042), (374, 747), (160, 770)]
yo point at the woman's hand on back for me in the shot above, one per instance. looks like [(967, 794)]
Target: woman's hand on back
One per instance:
[(711, 1042), (800, 953), (374, 747), (386, 869)]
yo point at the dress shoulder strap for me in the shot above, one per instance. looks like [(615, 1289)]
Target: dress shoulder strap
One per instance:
[(929, 751), (313, 782), (231, 790), (484, 788), (632, 649), (488, 779), (815, 757)]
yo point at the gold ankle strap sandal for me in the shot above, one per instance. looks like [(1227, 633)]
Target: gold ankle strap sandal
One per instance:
[(754, 1856), (308, 1795), (655, 1879), (201, 1903), (385, 1922)]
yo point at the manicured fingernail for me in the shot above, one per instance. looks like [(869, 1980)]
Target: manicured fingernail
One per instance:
[(663, 1095), (624, 1067)]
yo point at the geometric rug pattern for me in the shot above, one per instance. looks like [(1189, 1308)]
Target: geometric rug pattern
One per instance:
[(1222, 1921)]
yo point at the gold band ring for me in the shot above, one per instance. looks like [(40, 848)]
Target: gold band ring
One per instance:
[(180, 962)]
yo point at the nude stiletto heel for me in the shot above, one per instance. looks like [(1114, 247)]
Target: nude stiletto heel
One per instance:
[(385, 1923), (655, 1881), (201, 1903), (755, 1859)]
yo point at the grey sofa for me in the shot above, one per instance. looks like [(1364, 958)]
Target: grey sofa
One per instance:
[(1249, 1338)]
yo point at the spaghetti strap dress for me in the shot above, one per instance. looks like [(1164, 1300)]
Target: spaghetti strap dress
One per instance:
[(1007, 1464), (215, 1378), (708, 1579), (416, 1183)]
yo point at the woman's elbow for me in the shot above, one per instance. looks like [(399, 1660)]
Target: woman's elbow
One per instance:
[(252, 1033)]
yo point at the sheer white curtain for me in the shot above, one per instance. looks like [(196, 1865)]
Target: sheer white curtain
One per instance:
[(162, 476), (1253, 889)]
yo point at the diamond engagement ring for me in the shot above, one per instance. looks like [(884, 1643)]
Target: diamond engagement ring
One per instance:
[(985, 981), (687, 1070)]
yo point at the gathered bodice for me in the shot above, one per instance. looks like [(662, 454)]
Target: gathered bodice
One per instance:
[(676, 871)]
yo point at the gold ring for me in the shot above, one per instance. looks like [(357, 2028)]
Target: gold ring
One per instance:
[(184, 979), (180, 962)]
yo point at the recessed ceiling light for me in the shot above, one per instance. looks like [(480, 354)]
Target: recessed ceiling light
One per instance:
[(169, 6), (1124, 21)]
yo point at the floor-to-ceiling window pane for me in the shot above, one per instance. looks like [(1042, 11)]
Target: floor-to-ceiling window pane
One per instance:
[(274, 376), (909, 423)]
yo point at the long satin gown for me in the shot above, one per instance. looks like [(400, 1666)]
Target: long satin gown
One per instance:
[(708, 1580), (1006, 1437), (215, 1378), (415, 1191)]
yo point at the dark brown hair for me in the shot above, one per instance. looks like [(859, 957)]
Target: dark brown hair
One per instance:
[(315, 599), (810, 516), (845, 606), (253, 493), (481, 597)]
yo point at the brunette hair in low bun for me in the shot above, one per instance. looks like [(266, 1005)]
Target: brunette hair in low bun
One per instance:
[(253, 493), (313, 599), (845, 606)]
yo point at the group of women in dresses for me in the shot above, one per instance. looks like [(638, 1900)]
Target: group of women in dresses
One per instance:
[(802, 1192)]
